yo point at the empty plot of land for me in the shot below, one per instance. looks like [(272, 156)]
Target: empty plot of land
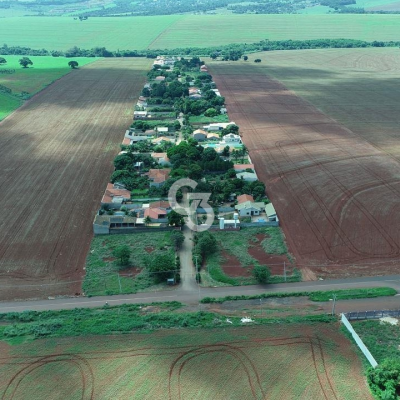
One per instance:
[(336, 190), (56, 157), (296, 361)]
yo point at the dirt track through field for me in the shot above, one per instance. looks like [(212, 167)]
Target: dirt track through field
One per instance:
[(56, 158), (337, 195)]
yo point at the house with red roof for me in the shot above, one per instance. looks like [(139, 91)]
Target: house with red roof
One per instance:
[(158, 177), (114, 196)]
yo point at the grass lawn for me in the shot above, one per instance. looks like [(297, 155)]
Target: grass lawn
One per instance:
[(196, 119), (28, 81), (103, 274), (174, 31)]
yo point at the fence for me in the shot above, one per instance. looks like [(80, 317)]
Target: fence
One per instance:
[(372, 314), (359, 342)]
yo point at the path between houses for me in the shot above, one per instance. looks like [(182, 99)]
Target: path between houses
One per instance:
[(188, 275)]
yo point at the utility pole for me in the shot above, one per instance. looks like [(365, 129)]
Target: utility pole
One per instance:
[(119, 282), (197, 279), (333, 304), (284, 270)]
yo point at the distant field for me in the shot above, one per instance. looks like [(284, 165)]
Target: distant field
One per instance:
[(295, 361), (191, 30), (44, 71)]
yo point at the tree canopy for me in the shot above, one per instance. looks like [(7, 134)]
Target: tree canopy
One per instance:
[(73, 64), (25, 61)]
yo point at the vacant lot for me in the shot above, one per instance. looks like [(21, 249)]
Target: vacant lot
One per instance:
[(25, 82), (335, 186), (56, 158), (174, 31), (105, 276), (236, 363)]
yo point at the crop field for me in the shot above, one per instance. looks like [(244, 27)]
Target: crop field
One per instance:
[(44, 71), (292, 361), (330, 158), (57, 153), (173, 31)]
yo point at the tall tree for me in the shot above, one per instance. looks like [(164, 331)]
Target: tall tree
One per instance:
[(25, 61), (3, 61)]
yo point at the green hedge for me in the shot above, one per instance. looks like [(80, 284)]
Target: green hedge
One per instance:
[(343, 294)]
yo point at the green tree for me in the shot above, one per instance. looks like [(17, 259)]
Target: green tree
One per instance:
[(211, 112), (3, 61), (257, 60), (73, 64), (123, 254), (245, 58), (162, 266), (261, 273), (178, 238), (147, 220), (175, 219), (25, 61), (384, 380)]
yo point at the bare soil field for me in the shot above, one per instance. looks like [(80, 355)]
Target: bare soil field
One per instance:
[(317, 362), (332, 172), (56, 158)]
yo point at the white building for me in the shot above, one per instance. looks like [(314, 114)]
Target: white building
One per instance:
[(231, 138)]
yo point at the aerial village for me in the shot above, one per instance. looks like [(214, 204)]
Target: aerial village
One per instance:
[(180, 130)]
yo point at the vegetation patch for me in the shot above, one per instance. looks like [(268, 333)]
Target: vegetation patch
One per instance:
[(345, 294), (106, 275)]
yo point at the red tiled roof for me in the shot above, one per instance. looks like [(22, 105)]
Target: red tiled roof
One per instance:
[(159, 175), (154, 213), (160, 204), (110, 193), (244, 197), (240, 167), (126, 141)]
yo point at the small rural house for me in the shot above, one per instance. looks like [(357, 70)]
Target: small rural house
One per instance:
[(114, 196), (213, 136), (160, 78), (250, 208), (158, 177), (271, 213), (245, 197), (156, 214), (161, 158), (217, 126), (231, 138), (164, 205), (199, 135)]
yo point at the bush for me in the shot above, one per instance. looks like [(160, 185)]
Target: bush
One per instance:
[(261, 273), (384, 380), (123, 254)]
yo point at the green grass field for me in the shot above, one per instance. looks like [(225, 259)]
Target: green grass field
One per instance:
[(42, 73), (174, 31), (8, 104), (234, 363)]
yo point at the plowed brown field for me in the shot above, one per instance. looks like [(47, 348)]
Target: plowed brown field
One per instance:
[(336, 190), (56, 158), (285, 361)]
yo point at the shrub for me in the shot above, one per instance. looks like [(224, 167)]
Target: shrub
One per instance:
[(261, 273), (384, 380), (123, 254)]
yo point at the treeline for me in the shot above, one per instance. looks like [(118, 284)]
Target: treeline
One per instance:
[(222, 51)]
